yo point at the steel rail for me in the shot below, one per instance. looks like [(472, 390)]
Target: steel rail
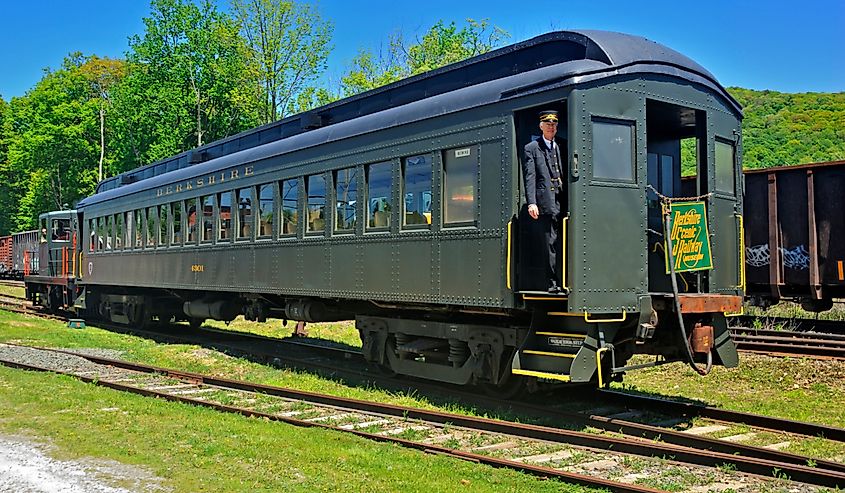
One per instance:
[(751, 465), (725, 415), (601, 422), (543, 472)]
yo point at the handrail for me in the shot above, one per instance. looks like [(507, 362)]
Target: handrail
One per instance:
[(508, 264), (564, 286), (587, 318)]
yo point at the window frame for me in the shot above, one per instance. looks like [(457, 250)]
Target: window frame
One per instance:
[(251, 223), (368, 227), (258, 216), (632, 125), (732, 147), (219, 221), (299, 187), (354, 183), (444, 201), (316, 232), (403, 179)]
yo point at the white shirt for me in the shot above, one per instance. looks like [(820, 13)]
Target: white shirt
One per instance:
[(549, 143)]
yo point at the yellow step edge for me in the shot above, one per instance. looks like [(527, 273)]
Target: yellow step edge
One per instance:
[(547, 353), (545, 298), (561, 334), (540, 374)]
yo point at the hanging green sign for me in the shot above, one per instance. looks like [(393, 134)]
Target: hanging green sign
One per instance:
[(689, 237)]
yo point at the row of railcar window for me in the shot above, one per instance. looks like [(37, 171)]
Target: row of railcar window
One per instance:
[(252, 213)]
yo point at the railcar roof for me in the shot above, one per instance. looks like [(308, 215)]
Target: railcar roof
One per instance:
[(546, 61)]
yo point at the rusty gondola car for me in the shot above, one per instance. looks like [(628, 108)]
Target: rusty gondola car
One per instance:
[(402, 208), (795, 234), (18, 254)]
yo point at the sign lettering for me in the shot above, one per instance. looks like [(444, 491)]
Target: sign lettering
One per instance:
[(201, 181), (689, 237)]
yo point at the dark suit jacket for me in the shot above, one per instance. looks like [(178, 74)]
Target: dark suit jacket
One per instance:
[(537, 174)]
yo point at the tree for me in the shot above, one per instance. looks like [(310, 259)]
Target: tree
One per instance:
[(441, 45), (288, 45), (187, 82), (102, 75), (51, 134)]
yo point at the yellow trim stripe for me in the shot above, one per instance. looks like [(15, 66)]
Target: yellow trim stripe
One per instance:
[(546, 353), (598, 320), (561, 334), (598, 365), (741, 286), (540, 374), (544, 298), (508, 265), (564, 314), (565, 286)]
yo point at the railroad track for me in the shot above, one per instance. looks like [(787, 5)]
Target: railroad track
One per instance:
[(348, 364), (790, 324), (790, 343), (544, 451)]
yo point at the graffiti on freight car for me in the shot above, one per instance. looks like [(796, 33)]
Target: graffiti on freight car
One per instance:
[(797, 258)]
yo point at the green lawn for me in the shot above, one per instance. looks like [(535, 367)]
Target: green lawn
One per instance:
[(198, 449)]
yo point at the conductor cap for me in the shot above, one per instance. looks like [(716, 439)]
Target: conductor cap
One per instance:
[(548, 116)]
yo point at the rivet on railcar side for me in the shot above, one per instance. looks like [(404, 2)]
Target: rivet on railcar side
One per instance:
[(404, 209)]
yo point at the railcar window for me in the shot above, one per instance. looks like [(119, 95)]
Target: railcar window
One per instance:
[(101, 229), (163, 236), (379, 194), (176, 214), (60, 229), (92, 229), (139, 228), (245, 219), (346, 187), (207, 218), (725, 167), (109, 232), (290, 206), (417, 192), (119, 233), (613, 151), (266, 206), (316, 188), (460, 180), (130, 221), (152, 229), (191, 217), (224, 223)]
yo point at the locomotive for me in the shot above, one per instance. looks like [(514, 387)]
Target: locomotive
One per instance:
[(403, 209)]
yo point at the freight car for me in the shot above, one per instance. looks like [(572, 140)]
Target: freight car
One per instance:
[(402, 208), (795, 234), (18, 254)]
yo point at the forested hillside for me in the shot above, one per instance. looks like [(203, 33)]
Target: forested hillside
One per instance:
[(781, 129), (197, 74)]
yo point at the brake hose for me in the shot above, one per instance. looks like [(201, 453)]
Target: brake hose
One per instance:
[(671, 259)]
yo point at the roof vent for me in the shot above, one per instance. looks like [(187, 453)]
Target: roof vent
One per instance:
[(310, 121)]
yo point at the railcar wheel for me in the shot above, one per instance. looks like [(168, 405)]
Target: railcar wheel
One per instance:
[(510, 387), (139, 315)]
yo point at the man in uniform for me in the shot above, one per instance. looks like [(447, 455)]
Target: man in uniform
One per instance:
[(542, 171)]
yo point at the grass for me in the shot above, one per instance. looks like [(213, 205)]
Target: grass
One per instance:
[(202, 450), (791, 388), (198, 449), (788, 309), (6, 290), (804, 390)]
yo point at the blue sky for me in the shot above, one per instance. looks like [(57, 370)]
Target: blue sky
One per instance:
[(778, 45)]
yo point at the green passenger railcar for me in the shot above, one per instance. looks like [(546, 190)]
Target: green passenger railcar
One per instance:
[(403, 209)]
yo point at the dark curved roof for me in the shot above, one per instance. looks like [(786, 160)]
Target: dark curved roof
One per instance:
[(541, 63)]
